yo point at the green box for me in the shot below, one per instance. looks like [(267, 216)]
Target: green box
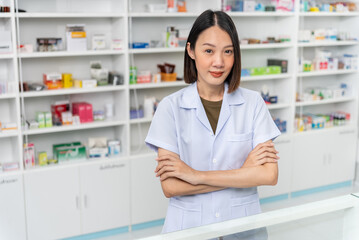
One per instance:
[(48, 119), (55, 147), (70, 153), (40, 118), (257, 71), (274, 70)]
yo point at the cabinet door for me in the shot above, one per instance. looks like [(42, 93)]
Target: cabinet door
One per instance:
[(52, 203), (105, 194), (284, 147), (323, 158), (147, 200), (12, 211)]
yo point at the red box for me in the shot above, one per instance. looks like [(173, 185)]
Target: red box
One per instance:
[(83, 110), (57, 109)]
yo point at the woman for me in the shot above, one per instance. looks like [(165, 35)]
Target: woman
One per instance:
[(214, 139)]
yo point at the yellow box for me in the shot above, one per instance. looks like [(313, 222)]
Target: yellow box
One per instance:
[(42, 158), (67, 80), (78, 83)]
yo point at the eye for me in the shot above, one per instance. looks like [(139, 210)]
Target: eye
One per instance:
[(208, 51), (228, 51)]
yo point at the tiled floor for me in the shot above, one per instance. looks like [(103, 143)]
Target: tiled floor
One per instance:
[(325, 227)]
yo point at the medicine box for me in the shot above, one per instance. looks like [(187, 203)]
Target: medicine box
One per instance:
[(57, 109), (76, 37), (52, 80), (69, 151), (83, 110), (279, 62), (40, 119), (29, 155), (42, 156), (48, 119)]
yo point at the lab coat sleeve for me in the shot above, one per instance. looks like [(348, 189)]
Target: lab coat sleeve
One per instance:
[(264, 127), (162, 132)]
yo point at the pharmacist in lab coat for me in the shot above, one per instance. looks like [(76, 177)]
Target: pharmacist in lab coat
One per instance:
[(213, 138)]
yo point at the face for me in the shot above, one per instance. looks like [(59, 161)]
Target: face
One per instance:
[(213, 55)]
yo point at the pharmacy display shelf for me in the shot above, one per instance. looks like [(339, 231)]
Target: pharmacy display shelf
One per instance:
[(70, 15), (156, 50), (140, 120), (266, 46), (266, 77), (71, 54), (347, 128), (78, 163), (278, 106), (9, 133), (55, 129), (261, 14), (158, 85), (327, 43), (71, 91), (6, 15), (147, 14), (329, 14), (326, 72), (7, 96), (325, 101), (6, 55)]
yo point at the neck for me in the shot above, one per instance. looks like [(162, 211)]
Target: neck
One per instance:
[(210, 92)]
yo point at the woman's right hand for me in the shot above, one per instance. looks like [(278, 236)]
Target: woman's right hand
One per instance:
[(261, 154)]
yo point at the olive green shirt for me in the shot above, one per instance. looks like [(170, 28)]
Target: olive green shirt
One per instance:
[(212, 110)]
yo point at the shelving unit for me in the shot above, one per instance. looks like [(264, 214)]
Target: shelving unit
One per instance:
[(117, 19)]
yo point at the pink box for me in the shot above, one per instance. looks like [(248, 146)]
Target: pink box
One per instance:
[(83, 110)]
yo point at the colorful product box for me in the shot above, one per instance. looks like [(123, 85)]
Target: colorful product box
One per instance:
[(52, 80), (83, 110), (48, 119), (279, 62), (42, 156), (57, 109), (29, 155), (40, 119), (69, 151), (67, 80)]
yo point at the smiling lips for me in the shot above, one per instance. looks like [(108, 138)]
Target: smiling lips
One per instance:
[(216, 74)]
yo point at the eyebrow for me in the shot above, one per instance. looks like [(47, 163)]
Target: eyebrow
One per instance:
[(211, 45)]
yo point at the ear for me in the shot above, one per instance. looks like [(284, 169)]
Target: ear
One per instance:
[(190, 51)]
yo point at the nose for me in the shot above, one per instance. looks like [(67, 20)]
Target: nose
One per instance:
[(218, 61)]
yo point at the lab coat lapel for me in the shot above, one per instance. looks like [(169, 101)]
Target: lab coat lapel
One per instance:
[(225, 111), (201, 114)]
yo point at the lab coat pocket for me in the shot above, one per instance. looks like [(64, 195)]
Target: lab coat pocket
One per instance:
[(191, 213), (245, 206), (239, 146)]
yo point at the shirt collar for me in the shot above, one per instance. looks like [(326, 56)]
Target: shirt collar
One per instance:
[(191, 99)]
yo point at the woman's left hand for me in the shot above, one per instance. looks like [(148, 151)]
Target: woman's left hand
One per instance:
[(172, 166)]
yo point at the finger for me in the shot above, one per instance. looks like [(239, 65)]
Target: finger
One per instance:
[(266, 150), (165, 169), (163, 163), (266, 160), (265, 144), (267, 154), (167, 175), (167, 157)]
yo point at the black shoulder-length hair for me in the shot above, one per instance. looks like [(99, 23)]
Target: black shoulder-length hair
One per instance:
[(206, 20)]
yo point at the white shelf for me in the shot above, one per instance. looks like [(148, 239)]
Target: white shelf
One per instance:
[(71, 91), (329, 14), (158, 85), (97, 124), (7, 96), (147, 14), (6, 55), (70, 15), (328, 43), (266, 46), (265, 77), (9, 133), (347, 127), (278, 106), (325, 101), (6, 15), (77, 163), (261, 14), (156, 50), (71, 54), (325, 72), (140, 120), (11, 173)]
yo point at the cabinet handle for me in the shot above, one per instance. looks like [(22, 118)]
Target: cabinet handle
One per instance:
[(77, 203), (346, 132), (85, 201)]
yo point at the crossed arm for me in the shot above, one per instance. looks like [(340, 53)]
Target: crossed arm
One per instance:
[(177, 178)]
